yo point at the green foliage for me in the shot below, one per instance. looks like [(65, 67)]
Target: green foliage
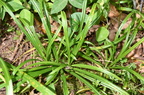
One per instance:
[(2, 13), (6, 78), (15, 5), (76, 3), (27, 17), (101, 34), (58, 6), (59, 59)]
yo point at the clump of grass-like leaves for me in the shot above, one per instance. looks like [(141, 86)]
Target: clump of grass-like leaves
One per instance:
[(59, 59)]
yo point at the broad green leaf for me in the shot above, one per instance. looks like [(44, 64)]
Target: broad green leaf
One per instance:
[(58, 6), (101, 34), (76, 18), (76, 3), (27, 16), (15, 5)]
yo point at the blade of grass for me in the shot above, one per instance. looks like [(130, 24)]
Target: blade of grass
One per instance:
[(129, 39), (46, 63), (40, 6), (66, 36), (37, 72), (93, 17), (52, 75), (44, 90), (51, 42), (86, 82), (64, 83), (109, 45), (8, 80), (122, 24), (97, 69), (128, 51), (23, 63), (35, 40), (104, 81), (2, 85), (89, 58), (131, 71), (82, 19)]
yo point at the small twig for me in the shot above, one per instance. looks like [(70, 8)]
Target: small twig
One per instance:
[(17, 45), (30, 50), (141, 5), (134, 4)]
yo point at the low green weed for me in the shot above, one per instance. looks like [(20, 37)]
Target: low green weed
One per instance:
[(59, 64)]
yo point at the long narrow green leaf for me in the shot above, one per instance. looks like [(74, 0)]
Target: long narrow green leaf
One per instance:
[(86, 82), (44, 90), (66, 35), (47, 16), (93, 17), (131, 71), (35, 40), (128, 51), (46, 63), (53, 74), (51, 78), (2, 85), (105, 82), (88, 58), (8, 80), (23, 63), (64, 83), (51, 42), (40, 6), (82, 19), (122, 24), (97, 69), (38, 72)]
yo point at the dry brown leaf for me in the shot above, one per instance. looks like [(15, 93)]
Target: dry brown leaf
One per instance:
[(113, 11), (142, 92), (112, 34), (116, 21)]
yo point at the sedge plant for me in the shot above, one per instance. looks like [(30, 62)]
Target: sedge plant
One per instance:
[(59, 59)]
